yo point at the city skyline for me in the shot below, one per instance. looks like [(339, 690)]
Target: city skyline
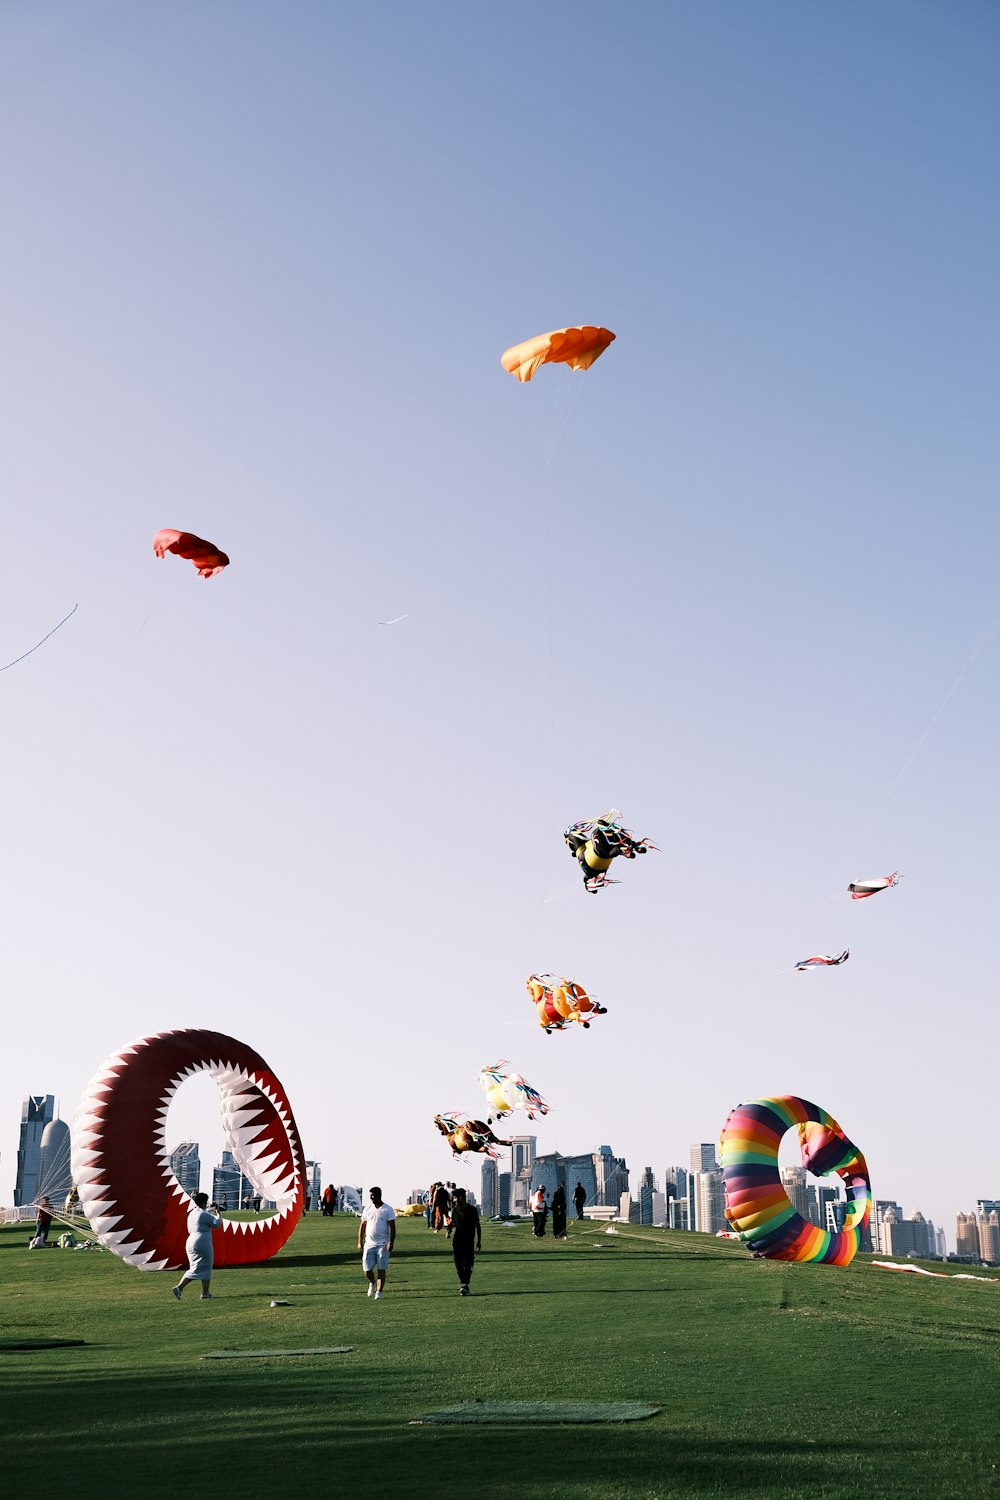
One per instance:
[(695, 1202)]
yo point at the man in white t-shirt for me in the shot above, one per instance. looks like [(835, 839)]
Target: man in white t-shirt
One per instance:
[(376, 1237)]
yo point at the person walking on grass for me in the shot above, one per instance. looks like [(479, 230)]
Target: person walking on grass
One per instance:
[(201, 1222), (466, 1237), (376, 1237), (442, 1207), (579, 1199)]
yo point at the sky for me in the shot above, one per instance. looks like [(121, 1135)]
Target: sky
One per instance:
[(738, 579)]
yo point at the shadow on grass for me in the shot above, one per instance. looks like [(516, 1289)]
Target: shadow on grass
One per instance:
[(157, 1426)]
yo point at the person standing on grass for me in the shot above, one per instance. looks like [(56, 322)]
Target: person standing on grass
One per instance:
[(201, 1258), (442, 1207), (376, 1237), (539, 1212), (579, 1199), (466, 1237), (559, 1212)]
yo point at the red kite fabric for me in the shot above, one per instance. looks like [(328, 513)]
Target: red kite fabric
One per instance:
[(206, 557), (121, 1158)]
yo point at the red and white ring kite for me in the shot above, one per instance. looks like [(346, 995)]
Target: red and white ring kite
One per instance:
[(121, 1164)]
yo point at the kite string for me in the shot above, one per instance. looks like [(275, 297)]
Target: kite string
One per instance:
[(979, 645), (44, 638)]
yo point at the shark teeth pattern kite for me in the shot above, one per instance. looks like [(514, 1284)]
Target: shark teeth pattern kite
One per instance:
[(121, 1163)]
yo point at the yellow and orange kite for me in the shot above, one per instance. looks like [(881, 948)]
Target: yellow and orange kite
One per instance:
[(576, 347)]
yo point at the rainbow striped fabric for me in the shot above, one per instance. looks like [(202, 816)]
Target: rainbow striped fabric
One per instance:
[(758, 1207)]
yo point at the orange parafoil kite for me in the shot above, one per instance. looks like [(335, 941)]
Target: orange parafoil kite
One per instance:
[(206, 558), (576, 347)]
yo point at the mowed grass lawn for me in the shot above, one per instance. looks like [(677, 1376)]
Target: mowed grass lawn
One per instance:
[(771, 1379)]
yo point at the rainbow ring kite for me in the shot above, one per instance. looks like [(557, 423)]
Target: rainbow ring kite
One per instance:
[(121, 1164), (757, 1205)]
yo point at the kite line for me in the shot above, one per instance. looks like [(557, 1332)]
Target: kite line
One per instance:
[(44, 638)]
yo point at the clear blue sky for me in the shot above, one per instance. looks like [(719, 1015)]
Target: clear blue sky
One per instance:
[(260, 263)]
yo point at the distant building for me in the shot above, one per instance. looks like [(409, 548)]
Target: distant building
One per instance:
[(523, 1152), (504, 1196), (314, 1182), (880, 1208), (989, 1236), (825, 1197), (611, 1176), (659, 1210), (795, 1184), (602, 1175), (185, 1163), (967, 1237), (703, 1157), (230, 1187), (675, 1181), (677, 1213), (36, 1112), (55, 1178), (523, 1160), (647, 1187), (706, 1195), (489, 1188), (901, 1236)]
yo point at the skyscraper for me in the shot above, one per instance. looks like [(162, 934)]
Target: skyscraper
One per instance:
[(36, 1112), (185, 1163), (611, 1174), (523, 1151), (314, 1182), (795, 1184), (647, 1187), (229, 1185), (55, 1176), (489, 1188), (967, 1237), (703, 1157), (706, 1193)]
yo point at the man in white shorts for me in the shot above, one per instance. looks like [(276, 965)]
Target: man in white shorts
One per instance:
[(376, 1237)]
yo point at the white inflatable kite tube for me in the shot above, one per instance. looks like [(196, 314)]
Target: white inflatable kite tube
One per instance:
[(892, 1265), (121, 1163)]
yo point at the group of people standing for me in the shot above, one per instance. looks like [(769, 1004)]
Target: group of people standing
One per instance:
[(540, 1209)]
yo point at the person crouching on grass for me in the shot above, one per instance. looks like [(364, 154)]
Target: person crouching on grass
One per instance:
[(376, 1237)]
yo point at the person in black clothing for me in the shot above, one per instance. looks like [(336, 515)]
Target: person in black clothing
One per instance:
[(558, 1206), (579, 1199), (466, 1237)]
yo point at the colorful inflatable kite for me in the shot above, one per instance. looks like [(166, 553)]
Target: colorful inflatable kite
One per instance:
[(464, 1134), (823, 961), (576, 347), (757, 1205), (207, 559), (121, 1159), (506, 1091), (561, 1001), (597, 841), (861, 889)]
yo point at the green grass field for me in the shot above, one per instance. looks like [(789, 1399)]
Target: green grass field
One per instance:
[(771, 1379)]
